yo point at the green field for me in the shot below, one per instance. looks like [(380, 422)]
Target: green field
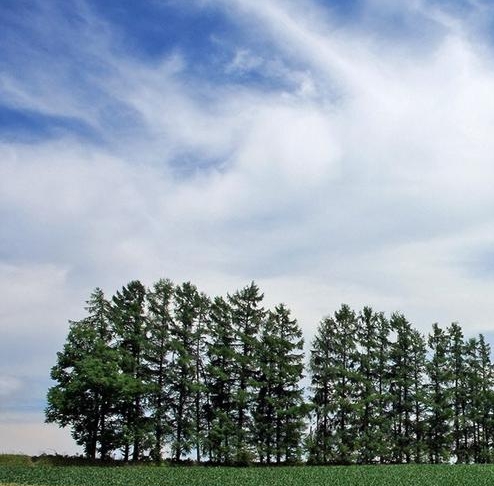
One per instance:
[(442, 475)]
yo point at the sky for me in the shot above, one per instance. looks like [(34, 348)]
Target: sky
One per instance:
[(331, 151)]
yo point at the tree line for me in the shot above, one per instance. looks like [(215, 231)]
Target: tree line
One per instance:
[(168, 372)]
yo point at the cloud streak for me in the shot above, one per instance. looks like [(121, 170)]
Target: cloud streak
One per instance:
[(328, 158)]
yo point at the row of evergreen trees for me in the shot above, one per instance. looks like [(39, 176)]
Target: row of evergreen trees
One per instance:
[(382, 392), (170, 372)]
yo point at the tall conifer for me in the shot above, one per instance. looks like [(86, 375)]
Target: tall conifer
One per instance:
[(440, 411), (157, 355), (129, 323), (278, 417), (220, 376), (247, 318), (401, 384), (182, 371)]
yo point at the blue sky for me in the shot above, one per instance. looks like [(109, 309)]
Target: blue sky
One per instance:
[(333, 151)]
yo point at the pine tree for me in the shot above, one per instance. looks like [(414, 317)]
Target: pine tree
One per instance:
[(220, 370), (402, 378), (200, 389), (128, 315), (87, 380), (440, 413), (346, 387), (472, 402), (334, 361), (322, 374), (247, 317), (157, 357), (384, 399), (291, 410), (480, 388), (372, 328), (182, 372), (484, 398), (278, 417), (457, 366), (418, 392)]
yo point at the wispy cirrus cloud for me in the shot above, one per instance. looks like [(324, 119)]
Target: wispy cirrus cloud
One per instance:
[(333, 154)]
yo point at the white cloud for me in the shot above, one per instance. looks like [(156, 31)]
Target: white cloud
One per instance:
[(394, 142), (360, 171), (244, 61), (29, 292)]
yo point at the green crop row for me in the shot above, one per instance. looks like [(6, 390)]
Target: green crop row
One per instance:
[(15, 460), (442, 475)]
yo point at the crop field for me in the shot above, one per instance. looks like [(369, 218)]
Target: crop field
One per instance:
[(442, 475)]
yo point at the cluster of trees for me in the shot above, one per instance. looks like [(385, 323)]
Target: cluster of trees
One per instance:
[(383, 392), (170, 372)]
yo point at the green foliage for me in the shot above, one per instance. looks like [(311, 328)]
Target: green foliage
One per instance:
[(15, 460), (50, 460), (219, 375), (404, 475), (186, 358), (88, 380), (247, 319), (156, 355), (279, 412), (401, 389), (129, 323), (373, 396), (167, 369), (335, 384), (439, 373)]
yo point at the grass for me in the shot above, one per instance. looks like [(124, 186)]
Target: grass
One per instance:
[(15, 460), (403, 475)]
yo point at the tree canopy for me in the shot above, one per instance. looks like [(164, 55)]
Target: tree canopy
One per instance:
[(168, 372)]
